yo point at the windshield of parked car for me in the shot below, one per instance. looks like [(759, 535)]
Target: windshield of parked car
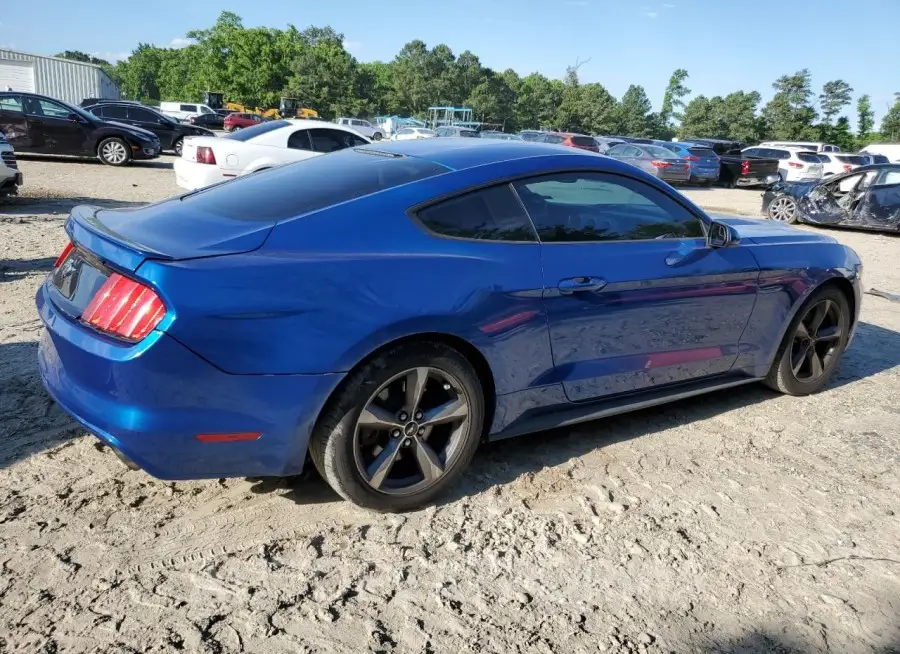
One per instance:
[(853, 159)]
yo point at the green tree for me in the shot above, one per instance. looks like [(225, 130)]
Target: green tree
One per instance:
[(324, 77), (493, 101), (673, 100), (890, 124), (789, 115), (634, 112), (77, 55), (537, 102), (865, 118), (834, 97)]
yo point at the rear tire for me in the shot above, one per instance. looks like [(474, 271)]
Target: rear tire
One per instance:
[(823, 324), (178, 146), (783, 209), (346, 446), (114, 152)]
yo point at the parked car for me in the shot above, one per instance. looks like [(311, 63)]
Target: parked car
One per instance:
[(703, 162), (794, 163), (654, 160), (530, 134), (865, 198), (89, 102), (36, 124), (457, 131), (812, 146), (11, 177), (219, 335), (579, 141), (237, 120), (412, 133), (363, 127), (835, 163), (736, 170), (170, 132), (209, 121), (208, 160), (889, 150), (182, 111), (604, 143), (875, 158), (501, 136)]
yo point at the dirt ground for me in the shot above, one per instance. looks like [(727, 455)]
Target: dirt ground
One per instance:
[(739, 522)]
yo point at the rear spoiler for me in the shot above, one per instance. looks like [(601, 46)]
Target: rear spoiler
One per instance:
[(84, 228)]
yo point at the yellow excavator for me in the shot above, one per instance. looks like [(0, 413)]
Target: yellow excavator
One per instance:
[(287, 107)]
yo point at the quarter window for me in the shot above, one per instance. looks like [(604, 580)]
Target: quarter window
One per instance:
[(491, 214), (11, 103), (571, 207)]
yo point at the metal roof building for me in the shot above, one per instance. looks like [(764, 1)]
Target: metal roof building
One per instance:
[(63, 79)]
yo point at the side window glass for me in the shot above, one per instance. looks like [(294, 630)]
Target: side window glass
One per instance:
[(188, 107), (12, 103), (570, 207), (54, 109), (299, 140), (142, 115), (492, 214), (115, 112), (889, 177), (330, 140)]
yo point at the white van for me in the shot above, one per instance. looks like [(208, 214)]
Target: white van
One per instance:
[(814, 146), (889, 150), (183, 111)]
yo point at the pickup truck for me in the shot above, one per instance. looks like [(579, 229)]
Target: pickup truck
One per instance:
[(737, 170)]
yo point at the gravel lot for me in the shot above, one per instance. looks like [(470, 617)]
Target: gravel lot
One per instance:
[(739, 522)]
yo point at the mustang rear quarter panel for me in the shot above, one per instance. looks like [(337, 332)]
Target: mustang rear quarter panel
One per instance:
[(329, 288)]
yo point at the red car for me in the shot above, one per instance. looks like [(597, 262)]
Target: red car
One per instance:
[(580, 141), (238, 121)]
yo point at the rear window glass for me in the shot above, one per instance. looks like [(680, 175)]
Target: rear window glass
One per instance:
[(853, 159), (701, 152), (809, 157), (310, 185), (257, 130), (584, 141), (656, 151)]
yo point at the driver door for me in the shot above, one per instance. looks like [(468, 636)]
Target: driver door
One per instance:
[(58, 132), (634, 295)]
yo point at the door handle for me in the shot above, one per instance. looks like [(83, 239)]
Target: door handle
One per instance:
[(581, 285)]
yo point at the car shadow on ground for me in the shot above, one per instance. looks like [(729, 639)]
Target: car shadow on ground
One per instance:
[(165, 161), (874, 350), (14, 269), (28, 206), (762, 642)]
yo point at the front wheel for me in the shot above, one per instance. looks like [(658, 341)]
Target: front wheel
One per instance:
[(783, 209), (403, 428), (178, 146), (377, 136), (114, 152), (813, 344)]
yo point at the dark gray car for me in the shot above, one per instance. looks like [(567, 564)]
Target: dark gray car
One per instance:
[(653, 159)]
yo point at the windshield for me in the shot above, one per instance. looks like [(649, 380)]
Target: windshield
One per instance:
[(854, 159)]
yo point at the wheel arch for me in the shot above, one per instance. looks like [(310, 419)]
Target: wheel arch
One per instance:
[(471, 353)]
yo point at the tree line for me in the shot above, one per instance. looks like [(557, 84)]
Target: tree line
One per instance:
[(255, 66)]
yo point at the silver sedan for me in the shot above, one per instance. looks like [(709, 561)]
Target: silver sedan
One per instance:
[(653, 159)]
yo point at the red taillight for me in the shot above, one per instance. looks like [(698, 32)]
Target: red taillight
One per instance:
[(745, 168), (659, 164), (205, 155), (124, 308), (65, 255), (691, 157), (847, 168), (794, 164)]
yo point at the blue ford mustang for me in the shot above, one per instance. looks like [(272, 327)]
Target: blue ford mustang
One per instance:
[(385, 309)]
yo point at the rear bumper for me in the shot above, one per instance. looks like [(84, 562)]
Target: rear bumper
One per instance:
[(150, 400), (190, 175)]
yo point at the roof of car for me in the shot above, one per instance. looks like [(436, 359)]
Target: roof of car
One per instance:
[(462, 153)]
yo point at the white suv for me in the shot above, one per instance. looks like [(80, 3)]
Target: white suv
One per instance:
[(10, 176), (836, 163), (795, 164), (363, 127)]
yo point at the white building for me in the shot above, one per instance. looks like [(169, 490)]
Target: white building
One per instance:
[(62, 79)]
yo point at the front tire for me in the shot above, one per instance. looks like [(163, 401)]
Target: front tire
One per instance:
[(114, 152), (783, 209), (403, 428), (178, 146), (813, 344), (377, 136)]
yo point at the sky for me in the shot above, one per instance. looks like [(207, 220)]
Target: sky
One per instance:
[(724, 46)]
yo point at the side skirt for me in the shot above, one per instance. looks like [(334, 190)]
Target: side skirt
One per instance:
[(576, 413)]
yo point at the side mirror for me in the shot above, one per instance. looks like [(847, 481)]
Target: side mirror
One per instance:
[(721, 235)]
